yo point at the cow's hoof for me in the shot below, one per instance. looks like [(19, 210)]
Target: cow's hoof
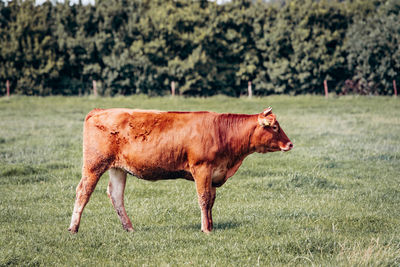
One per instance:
[(130, 229), (206, 231), (127, 227), (73, 229)]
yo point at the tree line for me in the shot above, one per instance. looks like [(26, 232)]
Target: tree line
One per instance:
[(141, 46)]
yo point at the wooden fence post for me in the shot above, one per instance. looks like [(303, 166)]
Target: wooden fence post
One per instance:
[(8, 88), (249, 89), (173, 88), (395, 88), (94, 88), (326, 88)]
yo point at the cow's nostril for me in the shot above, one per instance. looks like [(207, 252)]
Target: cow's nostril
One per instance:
[(289, 146)]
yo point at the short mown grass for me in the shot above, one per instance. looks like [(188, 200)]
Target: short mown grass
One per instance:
[(334, 200)]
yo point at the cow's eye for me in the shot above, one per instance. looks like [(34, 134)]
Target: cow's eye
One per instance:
[(275, 128)]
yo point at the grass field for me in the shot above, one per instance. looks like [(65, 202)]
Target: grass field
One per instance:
[(334, 200)]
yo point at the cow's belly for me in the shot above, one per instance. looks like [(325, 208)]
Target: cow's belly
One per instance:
[(154, 174)]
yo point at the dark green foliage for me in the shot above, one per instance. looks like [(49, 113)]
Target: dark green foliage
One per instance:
[(373, 47), (141, 46)]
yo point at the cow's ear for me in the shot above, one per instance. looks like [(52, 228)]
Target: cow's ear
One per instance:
[(266, 121), (266, 118)]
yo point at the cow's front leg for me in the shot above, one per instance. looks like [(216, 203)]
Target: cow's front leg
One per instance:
[(213, 194), (202, 177)]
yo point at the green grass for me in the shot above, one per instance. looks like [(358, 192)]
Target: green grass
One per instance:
[(334, 200)]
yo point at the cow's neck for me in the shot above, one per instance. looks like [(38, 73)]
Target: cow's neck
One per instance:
[(236, 133)]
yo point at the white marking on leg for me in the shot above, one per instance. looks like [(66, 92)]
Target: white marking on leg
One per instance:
[(115, 191), (116, 186)]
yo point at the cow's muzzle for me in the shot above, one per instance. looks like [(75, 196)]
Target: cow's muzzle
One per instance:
[(289, 146)]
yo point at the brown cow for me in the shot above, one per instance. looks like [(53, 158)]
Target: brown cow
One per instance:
[(204, 147)]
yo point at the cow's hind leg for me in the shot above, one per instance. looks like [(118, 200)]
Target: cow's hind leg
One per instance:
[(115, 192), (91, 173), (83, 191)]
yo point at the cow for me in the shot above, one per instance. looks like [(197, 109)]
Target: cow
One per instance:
[(204, 147)]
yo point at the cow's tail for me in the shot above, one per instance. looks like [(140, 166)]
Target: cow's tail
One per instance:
[(94, 165)]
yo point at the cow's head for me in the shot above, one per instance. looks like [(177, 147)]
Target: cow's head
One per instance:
[(268, 135)]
